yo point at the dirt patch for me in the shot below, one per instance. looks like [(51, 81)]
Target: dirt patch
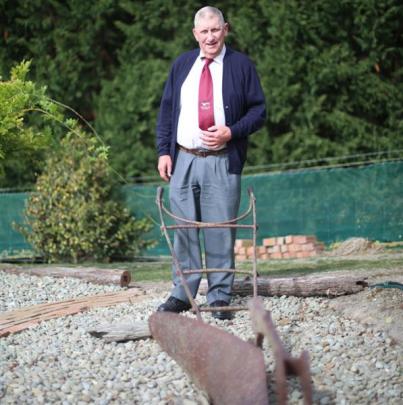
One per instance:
[(356, 246), (380, 308)]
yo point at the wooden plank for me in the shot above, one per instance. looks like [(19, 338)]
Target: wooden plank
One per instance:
[(23, 318), (121, 331)]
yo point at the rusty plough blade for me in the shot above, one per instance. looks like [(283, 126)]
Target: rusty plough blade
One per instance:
[(262, 325), (230, 370)]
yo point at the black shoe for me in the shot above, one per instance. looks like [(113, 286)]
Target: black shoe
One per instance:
[(172, 304), (222, 315)]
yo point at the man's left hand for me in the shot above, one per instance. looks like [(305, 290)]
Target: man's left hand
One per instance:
[(216, 136)]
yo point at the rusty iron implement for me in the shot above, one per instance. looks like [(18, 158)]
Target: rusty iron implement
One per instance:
[(230, 370), (262, 325), (183, 223)]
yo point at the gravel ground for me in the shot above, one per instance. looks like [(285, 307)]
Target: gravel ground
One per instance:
[(58, 362)]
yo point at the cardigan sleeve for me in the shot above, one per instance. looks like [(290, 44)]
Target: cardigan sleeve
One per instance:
[(164, 120), (254, 110)]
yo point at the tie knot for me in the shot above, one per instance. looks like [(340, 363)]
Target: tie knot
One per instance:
[(207, 61)]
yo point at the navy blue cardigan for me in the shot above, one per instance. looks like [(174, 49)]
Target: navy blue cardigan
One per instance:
[(243, 98)]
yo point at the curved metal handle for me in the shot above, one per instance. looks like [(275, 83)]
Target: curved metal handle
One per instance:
[(251, 194), (160, 192)]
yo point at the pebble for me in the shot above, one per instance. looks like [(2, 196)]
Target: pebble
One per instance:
[(58, 362)]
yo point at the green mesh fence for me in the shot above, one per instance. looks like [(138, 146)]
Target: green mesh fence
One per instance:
[(331, 203), (11, 211)]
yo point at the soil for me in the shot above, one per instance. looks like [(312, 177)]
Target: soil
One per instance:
[(380, 308)]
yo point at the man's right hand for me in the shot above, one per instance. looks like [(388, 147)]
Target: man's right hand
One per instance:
[(165, 167)]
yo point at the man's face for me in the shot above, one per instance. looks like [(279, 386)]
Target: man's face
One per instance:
[(210, 35)]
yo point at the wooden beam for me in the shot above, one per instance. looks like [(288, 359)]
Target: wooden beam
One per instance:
[(121, 331)]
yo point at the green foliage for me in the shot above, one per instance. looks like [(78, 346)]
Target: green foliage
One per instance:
[(19, 140), (17, 97), (331, 75), (72, 44), (73, 215)]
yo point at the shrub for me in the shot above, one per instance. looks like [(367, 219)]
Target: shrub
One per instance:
[(74, 213)]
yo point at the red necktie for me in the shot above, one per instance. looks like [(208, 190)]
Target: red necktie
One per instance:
[(206, 101)]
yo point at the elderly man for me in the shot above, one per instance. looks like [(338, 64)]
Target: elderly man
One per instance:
[(212, 102)]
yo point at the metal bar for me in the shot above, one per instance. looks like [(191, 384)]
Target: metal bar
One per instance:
[(228, 308), (253, 202), (188, 221), (178, 269), (262, 325), (196, 271), (208, 225)]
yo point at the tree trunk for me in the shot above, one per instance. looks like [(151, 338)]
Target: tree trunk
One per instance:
[(91, 274), (304, 286)]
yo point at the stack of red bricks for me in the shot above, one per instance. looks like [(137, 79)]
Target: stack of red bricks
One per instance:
[(280, 247)]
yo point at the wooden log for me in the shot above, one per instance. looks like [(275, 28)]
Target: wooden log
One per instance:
[(90, 274), (122, 331), (304, 286)]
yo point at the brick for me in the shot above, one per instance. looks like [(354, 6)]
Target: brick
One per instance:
[(280, 240), (294, 248), (240, 251), (301, 239), (283, 248), (276, 255), (269, 241), (308, 247), (287, 255), (273, 249), (266, 256), (261, 250), (243, 242), (250, 250), (289, 239), (240, 257)]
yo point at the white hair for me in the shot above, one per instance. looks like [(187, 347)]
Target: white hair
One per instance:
[(203, 12)]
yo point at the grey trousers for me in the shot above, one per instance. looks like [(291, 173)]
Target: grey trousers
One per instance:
[(201, 189)]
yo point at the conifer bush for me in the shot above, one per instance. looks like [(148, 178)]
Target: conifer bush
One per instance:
[(74, 214)]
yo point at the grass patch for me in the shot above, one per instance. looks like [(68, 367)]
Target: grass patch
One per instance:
[(325, 264), (159, 269)]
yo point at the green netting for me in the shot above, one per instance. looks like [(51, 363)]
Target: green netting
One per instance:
[(11, 211), (331, 203)]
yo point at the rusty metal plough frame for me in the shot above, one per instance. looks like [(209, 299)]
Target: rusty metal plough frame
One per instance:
[(183, 223), (230, 370)]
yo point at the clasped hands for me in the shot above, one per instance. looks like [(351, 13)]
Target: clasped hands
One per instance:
[(216, 136), (213, 138)]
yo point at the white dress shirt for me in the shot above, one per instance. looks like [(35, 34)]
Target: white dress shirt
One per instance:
[(188, 124)]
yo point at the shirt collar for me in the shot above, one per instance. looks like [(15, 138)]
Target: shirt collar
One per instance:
[(219, 58)]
